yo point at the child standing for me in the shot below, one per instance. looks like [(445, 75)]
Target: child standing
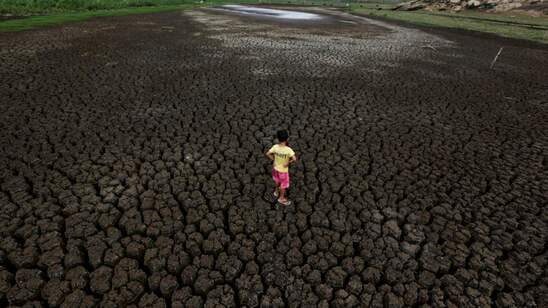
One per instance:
[(282, 156)]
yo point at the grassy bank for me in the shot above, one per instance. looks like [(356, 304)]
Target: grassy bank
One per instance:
[(61, 18), (42, 7), (43, 13), (509, 24)]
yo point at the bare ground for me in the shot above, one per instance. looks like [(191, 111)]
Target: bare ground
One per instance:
[(132, 173)]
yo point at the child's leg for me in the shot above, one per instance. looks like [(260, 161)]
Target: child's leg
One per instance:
[(276, 182), (284, 184), (282, 194)]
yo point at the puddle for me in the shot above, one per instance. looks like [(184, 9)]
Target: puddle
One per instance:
[(348, 22), (273, 13)]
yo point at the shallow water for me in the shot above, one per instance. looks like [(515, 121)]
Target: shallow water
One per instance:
[(282, 14)]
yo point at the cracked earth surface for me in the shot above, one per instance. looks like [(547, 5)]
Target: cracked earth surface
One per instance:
[(132, 169)]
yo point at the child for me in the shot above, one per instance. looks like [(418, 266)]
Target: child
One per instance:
[(281, 156)]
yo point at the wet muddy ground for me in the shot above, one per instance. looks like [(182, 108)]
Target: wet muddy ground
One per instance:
[(132, 169)]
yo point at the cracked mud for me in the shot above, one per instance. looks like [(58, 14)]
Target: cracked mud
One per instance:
[(132, 169)]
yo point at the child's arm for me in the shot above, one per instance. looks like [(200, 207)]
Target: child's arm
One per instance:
[(292, 159), (270, 153)]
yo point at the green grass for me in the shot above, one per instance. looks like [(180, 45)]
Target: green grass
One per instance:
[(30, 7), (72, 13), (48, 7), (61, 18), (507, 24)]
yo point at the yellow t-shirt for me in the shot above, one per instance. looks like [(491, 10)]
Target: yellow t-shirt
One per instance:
[(282, 154)]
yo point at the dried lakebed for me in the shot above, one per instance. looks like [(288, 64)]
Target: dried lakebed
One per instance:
[(132, 169)]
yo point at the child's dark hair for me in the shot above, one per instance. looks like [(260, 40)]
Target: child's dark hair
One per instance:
[(282, 135)]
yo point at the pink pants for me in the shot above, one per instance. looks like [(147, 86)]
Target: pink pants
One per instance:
[(280, 178)]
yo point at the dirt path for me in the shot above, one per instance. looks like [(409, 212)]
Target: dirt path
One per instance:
[(132, 173)]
